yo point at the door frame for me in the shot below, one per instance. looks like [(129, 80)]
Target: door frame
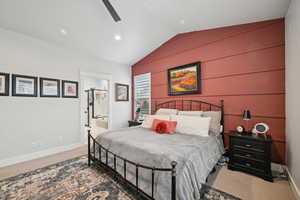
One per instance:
[(100, 76)]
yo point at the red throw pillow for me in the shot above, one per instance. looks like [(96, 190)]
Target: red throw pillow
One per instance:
[(161, 128), (170, 125)]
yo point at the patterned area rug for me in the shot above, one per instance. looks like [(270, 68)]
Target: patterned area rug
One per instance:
[(74, 180)]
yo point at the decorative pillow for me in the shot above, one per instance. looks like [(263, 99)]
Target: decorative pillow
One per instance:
[(161, 128), (191, 125), (191, 113), (215, 124), (148, 120), (166, 111), (170, 125)]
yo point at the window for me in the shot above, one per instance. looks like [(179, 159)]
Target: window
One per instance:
[(142, 93)]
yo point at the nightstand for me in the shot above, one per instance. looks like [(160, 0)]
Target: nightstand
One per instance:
[(134, 123), (250, 154)]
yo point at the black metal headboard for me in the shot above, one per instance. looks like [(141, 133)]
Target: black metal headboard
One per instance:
[(193, 105)]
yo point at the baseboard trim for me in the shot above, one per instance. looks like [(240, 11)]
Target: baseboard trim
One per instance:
[(294, 187), (39, 154)]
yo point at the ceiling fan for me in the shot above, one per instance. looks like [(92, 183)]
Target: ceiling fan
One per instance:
[(111, 10)]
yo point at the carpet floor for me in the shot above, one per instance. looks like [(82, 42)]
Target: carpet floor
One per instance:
[(74, 180)]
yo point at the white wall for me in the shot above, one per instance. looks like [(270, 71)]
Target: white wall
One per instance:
[(292, 89), (29, 124)]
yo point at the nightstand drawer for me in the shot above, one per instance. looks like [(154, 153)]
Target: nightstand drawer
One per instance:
[(248, 145), (248, 154), (250, 164)]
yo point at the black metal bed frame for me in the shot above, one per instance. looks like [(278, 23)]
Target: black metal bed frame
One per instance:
[(98, 161)]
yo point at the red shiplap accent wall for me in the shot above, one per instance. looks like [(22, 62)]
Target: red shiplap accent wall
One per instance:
[(243, 64)]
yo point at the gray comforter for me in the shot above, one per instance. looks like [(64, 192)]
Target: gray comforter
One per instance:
[(196, 156)]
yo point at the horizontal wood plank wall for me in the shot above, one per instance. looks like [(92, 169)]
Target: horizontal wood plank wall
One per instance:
[(243, 64)]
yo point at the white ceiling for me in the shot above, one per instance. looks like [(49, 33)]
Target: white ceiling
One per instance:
[(145, 24)]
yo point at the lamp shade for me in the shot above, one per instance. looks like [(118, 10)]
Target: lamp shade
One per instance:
[(138, 110), (246, 115)]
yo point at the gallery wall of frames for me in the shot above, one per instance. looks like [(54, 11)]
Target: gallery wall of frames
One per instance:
[(27, 86)]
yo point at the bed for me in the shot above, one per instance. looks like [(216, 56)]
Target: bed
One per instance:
[(155, 166)]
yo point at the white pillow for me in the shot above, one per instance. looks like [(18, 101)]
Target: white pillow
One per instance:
[(166, 111), (148, 119), (192, 125), (191, 113)]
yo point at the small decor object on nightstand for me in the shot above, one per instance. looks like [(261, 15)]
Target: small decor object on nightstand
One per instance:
[(260, 128), (240, 129), (250, 154)]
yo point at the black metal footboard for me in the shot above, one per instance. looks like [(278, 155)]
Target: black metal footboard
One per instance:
[(93, 145)]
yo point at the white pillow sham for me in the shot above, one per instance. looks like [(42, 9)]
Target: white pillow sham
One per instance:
[(192, 125), (191, 113), (148, 119), (215, 127), (166, 111)]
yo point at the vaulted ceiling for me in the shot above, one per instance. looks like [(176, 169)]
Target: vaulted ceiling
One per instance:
[(146, 24)]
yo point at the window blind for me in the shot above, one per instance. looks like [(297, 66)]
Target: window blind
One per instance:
[(142, 93)]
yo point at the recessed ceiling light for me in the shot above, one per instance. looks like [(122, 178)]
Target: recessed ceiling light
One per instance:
[(118, 37), (182, 21), (63, 31)]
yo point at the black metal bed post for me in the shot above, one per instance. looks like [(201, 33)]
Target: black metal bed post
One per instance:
[(88, 108), (222, 118), (89, 146), (173, 192), (152, 181), (137, 178), (92, 104)]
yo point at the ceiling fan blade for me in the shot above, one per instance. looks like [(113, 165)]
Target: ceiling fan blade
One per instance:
[(111, 10)]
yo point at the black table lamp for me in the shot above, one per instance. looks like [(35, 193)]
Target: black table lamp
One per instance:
[(137, 113), (247, 117)]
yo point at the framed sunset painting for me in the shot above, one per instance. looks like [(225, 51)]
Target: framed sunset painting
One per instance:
[(184, 79)]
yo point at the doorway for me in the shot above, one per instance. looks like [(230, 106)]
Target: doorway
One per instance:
[(95, 104)]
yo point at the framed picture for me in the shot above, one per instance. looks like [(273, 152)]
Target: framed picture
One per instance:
[(25, 86), (4, 84), (122, 92), (49, 87), (69, 89), (184, 79)]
